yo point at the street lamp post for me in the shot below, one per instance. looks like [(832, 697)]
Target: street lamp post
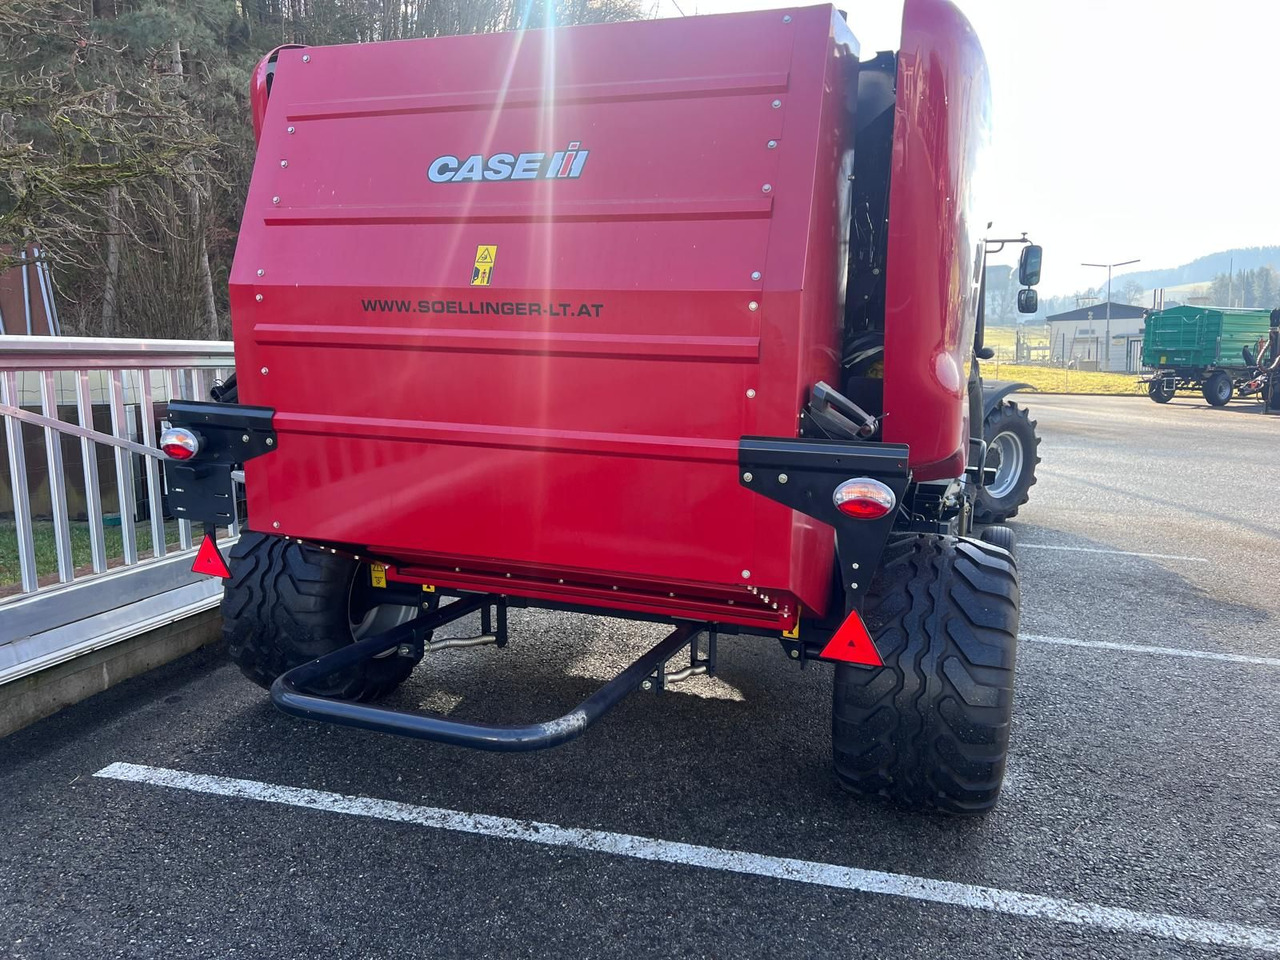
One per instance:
[(1109, 266)]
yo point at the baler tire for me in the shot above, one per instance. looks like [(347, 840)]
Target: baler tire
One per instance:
[(1157, 392), (930, 729), (1217, 389), (1013, 420), (287, 603)]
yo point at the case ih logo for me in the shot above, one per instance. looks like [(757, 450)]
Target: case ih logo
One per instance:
[(563, 164)]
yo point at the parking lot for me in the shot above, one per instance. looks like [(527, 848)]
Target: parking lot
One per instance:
[(179, 815)]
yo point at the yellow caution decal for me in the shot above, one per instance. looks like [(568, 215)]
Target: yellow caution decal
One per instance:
[(794, 632), (482, 274), (428, 588), (378, 574)]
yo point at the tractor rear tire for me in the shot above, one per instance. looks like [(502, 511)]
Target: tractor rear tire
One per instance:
[(287, 603), (999, 536), (1157, 392), (1013, 445), (1217, 389), (930, 729)]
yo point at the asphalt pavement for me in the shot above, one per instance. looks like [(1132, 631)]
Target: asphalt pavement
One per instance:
[(1141, 815)]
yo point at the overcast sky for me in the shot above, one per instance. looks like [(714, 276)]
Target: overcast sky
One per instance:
[(1122, 129)]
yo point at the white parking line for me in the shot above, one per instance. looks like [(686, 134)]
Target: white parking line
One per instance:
[(1118, 553), (991, 899), (1148, 648)]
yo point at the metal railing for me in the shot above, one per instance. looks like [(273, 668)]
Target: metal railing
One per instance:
[(109, 395)]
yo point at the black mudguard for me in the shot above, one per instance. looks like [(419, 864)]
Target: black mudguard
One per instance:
[(994, 392)]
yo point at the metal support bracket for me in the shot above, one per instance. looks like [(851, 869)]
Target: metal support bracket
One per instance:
[(661, 678), (487, 635)]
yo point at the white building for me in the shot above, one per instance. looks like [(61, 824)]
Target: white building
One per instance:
[(1080, 335)]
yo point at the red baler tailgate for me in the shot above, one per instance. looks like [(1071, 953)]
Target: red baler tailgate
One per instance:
[(649, 299)]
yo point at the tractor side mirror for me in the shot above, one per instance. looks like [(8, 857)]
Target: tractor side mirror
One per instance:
[(1028, 300), (1029, 265)]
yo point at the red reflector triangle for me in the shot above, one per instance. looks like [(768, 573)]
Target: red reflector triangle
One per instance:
[(852, 644), (209, 560)]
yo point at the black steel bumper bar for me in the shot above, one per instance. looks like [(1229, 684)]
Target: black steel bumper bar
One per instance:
[(289, 691)]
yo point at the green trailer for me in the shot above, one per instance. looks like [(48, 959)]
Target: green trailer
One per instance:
[(1212, 349)]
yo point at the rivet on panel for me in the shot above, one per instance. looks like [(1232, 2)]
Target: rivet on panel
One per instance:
[(787, 18), (275, 524), (772, 144), (258, 297), (261, 272), (751, 393), (753, 306), (767, 188), (275, 199), (264, 371), (306, 58), (284, 163), (291, 129), (776, 104), (853, 586), (747, 478), (746, 574), (782, 478), (755, 274)]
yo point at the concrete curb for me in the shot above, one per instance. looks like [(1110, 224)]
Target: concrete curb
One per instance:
[(34, 697)]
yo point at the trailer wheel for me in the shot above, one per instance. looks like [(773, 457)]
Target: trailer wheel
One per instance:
[(1012, 449), (1217, 388), (1157, 392), (930, 729), (287, 603)]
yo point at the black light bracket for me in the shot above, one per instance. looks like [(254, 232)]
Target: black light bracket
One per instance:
[(803, 474)]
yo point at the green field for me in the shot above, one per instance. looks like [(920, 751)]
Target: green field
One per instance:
[(1060, 380)]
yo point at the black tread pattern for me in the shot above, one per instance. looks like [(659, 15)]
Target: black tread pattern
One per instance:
[(287, 603), (1010, 417), (930, 729)]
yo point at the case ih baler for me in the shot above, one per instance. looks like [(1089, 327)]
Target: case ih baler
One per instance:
[(671, 320)]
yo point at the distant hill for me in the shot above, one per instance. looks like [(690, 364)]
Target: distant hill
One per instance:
[(1204, 269)]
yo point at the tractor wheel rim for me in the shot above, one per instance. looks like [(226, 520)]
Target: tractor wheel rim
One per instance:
[(1005, 454)]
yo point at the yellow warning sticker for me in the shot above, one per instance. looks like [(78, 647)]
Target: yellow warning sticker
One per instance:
[(428, 588), (482, 274), (793, 633), (378, 574)]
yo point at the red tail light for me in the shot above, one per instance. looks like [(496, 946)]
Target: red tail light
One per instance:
[(864, 499), (179, 443)]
